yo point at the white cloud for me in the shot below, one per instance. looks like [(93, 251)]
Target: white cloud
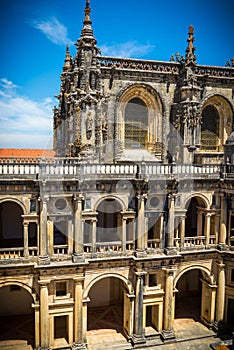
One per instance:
[(54, 31), (23, 121), (128, 49)]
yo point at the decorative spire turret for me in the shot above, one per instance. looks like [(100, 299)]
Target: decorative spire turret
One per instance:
[(87, 37), (68, 60), (190, 55)]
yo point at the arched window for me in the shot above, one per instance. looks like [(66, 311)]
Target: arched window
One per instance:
[(136, 124), (210, 129)]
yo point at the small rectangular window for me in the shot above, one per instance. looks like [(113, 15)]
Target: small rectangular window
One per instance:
[(32, 205), (61, 289), (152, 280)]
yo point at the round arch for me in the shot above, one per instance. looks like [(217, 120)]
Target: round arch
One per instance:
[(201, 198), (209, 276), (149, 135), (30, 290), (225, 112), (98, 278), (17, 316), (118, 200), (14, 200)]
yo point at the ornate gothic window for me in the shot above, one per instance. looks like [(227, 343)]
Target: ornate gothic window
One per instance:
[(136, 124), (210, 129)]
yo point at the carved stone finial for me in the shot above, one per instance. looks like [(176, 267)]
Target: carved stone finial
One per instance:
[(68, 59), (190, 56)]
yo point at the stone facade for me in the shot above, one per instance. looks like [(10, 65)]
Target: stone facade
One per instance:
[(135, 211)]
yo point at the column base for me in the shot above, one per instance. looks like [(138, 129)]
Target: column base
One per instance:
[(43, 260), (78, 257), (168, 336), (171, 251), (138, 340), (140, 253), (79, 346), (221, 246)]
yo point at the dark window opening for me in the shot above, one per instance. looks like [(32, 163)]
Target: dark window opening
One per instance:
[(32, 234), (152, 280), (60, 233), (136, 124), (60, 327), (61, 289), (210, 129)]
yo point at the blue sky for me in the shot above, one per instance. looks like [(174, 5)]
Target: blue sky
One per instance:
[(34, 34)]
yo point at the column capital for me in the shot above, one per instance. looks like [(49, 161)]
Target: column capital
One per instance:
[(140, 273), (44, 282), (169, 269), (78, 197), (78, 279), (220, 264)]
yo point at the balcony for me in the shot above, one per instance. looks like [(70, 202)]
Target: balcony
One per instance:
[(70, 168)]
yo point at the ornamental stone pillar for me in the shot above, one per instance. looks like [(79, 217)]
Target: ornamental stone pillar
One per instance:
[(78, 254), (94, 236), (170, 224), (168, 319), (44, 315), (220, 297), (182, 231), (26, 252), (138, 336), (124, 234), (43, 241), (207, 228), (78, 314), (223, 221), (141, 226)]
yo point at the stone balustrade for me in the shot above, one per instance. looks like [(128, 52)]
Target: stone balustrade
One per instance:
[(69, 168)]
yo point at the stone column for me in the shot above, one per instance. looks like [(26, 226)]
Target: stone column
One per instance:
[(170, 224), (182, 231), (168, 319), (138, 336), (207, 228), (26, 253), (141, 226), (78, 254), (199, 224), (220, 297), (94, 236), (124, 234), (44, 315), (43, 242), (223, 220), (78, 313)]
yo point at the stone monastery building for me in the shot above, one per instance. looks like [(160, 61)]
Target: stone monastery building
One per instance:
[(128, 224)]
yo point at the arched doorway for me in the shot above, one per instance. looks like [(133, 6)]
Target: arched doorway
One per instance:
[(189, 296), (16, 317), (105, 309), (11, 225)]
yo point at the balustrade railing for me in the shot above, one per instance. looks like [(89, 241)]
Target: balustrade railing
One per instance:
[(196, 241), (11, 253), (60, 250), (68, 167), (153, 243)]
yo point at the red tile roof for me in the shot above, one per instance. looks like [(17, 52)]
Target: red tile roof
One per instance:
[(26, 153)]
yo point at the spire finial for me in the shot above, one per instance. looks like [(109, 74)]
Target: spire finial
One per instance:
[(190, 56), (67, 61), (87, 11)]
